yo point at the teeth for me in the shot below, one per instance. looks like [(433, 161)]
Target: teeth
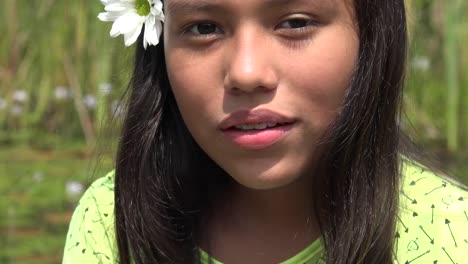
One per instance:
[(255, 126), (260, 126), (271, 124)]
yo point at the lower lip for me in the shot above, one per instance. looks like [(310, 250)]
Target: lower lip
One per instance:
[(258, 139)]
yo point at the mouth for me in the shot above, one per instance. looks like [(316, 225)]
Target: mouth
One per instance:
[(254, 120), (256, 126), (256, 129), (259, 137)]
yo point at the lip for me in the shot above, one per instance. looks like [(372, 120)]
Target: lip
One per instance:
[(256, 139), (249, 117)]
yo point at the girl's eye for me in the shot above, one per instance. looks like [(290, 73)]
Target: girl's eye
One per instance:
[(296, 23), (204, 29)]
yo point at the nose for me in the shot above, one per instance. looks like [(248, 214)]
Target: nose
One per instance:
[(249, 64)]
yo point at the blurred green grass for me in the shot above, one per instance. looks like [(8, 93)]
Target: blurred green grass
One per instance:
[(56, 59), (36, 202)]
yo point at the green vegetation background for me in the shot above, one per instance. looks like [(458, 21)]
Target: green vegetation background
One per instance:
[(61, 85)]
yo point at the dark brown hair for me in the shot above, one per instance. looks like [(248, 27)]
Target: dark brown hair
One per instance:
[(164, 180)]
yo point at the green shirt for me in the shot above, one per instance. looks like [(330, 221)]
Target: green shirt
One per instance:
[(432, 224)]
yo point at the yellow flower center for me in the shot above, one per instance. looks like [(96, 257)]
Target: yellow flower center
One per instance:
[(142, 7)]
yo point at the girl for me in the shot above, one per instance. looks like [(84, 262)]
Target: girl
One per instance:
[(266, 131)]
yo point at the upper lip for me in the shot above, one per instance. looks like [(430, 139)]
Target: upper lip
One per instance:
[(248, 117)]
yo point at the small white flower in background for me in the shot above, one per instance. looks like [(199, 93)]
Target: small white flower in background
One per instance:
[(74, 188), (432, 132), (20, 96), (3, 103), (422, 63), (129, 16), (105, 88), (38, 176), (117, 109), (16, 110), (90, 101), (62, 93)]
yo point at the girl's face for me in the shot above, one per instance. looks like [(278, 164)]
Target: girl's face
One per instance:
[(258, 82)]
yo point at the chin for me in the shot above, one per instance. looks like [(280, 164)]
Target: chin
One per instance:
[(269, 179)]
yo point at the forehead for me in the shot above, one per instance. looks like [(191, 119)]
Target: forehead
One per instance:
[(172, 6)]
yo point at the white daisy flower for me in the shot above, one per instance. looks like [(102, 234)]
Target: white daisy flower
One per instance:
[(105, 88), (130, 15), (20, 96), (422, 63), (74, 188), (38, 176), (62, 93), (90, 101)]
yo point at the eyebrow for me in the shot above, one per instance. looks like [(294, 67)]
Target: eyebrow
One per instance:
[(180, 5), (176, 6)]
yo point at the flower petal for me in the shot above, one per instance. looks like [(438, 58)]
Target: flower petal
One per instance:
[(131, 37), (157, 11), (117, 7), (149, 34), (132, 20), (110, 16), (126, 23), (153, 30)]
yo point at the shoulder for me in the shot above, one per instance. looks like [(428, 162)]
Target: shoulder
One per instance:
[(432, 217), (421, 189), (91, 234)]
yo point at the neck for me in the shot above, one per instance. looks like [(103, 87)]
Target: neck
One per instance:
[(279, 220), (284, 207)]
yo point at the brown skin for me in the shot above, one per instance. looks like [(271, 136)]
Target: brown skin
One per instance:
[(295, 57)]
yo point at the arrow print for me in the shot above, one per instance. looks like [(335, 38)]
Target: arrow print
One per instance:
[(82, 220), (424, 231), (444, 184), (101, 254), (74, 246), (448, 255), (447, 222), (412, 245), (413, 201), (403, 224), (413, 182), (397, 237), (92, 236), (425, 253), (432, 210)]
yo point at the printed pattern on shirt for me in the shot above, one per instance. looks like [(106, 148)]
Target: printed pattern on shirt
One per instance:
[(91, 236), (432, 223)]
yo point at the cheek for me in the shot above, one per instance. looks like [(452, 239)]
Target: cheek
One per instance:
[(189, 98), (323, 77), (193, 90)]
